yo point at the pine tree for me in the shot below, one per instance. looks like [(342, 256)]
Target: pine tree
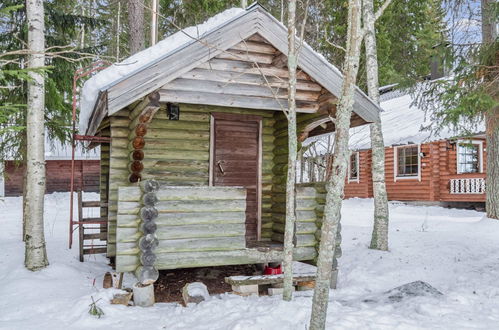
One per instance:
[(63, 27), (469, 95)]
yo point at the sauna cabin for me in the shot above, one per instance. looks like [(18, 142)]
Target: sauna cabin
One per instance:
[(196, 169)]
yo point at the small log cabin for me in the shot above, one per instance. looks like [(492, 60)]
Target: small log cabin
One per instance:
[(419, 166), (196, 169), (58, 170)]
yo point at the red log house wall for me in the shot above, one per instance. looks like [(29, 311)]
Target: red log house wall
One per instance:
[(438, 167), (58, 173)]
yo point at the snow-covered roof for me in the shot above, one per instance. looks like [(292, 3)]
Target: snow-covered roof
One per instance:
[(55, 150), (58, 151), (117, 86), (403, 122), (118, 71)]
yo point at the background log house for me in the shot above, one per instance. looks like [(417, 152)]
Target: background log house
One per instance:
[(58, 170), (448, 169)]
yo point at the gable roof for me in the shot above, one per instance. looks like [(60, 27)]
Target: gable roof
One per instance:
[(403, 122), (121, 84)]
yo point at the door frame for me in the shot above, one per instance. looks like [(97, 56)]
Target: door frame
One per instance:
[(240, 117)]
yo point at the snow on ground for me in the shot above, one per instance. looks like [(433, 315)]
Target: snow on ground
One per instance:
[(456, 251)]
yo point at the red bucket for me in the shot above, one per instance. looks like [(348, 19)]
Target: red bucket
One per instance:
[(272, 271)]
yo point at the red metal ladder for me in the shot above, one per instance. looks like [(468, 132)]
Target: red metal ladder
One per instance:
[(82, 224)]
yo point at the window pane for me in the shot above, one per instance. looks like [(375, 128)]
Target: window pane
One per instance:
[(353, 167), (407, 158), (469, 158)]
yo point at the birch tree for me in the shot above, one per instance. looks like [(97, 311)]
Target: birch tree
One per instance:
[(136, 39), (292, 156), (336, 184), (35, 255), (379, 238)]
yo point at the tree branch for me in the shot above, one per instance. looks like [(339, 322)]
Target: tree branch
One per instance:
[(381, 9)]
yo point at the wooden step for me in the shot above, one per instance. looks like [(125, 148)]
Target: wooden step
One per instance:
[(95, 250), (93, 204), (266, 279), (100, 220), (101, 236)]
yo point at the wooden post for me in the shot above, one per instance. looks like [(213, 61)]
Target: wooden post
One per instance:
[(80, 226)]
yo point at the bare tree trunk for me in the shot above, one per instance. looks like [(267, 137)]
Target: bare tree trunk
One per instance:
[(244, 4), (36, 255), (136, 38), (492, 191), (289, 231), (336, 184), (489, 35), (379, 238)]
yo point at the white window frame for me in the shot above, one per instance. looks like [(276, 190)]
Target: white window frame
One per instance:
[(357, 157), (480, 154), (396, 177), (2, 180)]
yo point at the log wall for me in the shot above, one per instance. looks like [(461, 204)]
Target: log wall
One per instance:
[(177, 154), (196, 227), (58, 174), (438, 167), (118, 171)]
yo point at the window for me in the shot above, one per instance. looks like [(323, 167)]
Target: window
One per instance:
[(353, 167), (407, 161), (469, 157)]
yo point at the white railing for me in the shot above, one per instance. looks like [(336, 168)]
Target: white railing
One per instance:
[(467, 186)]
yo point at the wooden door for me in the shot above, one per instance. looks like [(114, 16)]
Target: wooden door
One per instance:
[(236, 161)]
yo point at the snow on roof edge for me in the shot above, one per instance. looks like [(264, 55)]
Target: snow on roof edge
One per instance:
[(119, 71), (402, 123)]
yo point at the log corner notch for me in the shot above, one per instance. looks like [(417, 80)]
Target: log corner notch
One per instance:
[(140, 117), (323, 121), (147, 272)]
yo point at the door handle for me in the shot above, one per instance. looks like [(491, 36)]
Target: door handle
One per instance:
[(219, 163)]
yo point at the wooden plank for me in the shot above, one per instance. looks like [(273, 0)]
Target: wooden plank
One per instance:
[(200, 231), (200, 193), (242, 55), (266, 279), (250, 68), (95, 250), (129, 194), (237, 88), (255, 47), (253, 78), (201, 206), (236, 257), (249, 102), (201, 244), (196, 218)]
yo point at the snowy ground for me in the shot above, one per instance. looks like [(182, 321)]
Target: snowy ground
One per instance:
[(456, 251)]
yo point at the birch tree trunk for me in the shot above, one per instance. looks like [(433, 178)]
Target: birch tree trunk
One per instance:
[(136, 39), (379, 238), (36, 255), (489, 35), (289, 231), (336, 184)]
